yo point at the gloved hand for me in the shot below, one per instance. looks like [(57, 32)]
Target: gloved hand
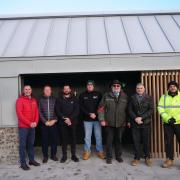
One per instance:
[(171, 121)]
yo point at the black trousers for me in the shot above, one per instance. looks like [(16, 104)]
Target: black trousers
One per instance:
[(169, 132), (144, 135), (114, 134), (50, 136), (68, 134)]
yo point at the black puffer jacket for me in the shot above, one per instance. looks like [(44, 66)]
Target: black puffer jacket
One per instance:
[(143, 108), (46, 108)]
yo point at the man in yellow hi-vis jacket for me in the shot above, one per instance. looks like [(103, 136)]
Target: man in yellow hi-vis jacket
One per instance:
[(169, 110)]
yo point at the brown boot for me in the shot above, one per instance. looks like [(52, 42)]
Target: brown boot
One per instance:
[(101, 155), (86, 155), (148, 162), (135, 162), (167, 163)]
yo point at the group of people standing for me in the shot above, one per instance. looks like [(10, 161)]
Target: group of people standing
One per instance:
[(113, 110)]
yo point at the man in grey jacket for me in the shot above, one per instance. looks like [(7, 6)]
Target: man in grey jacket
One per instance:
[(49, 127), (112, 114)]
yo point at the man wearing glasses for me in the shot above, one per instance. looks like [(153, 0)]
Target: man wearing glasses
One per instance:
[(112, 114)]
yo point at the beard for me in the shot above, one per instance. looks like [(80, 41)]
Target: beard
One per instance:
[(66, 93)]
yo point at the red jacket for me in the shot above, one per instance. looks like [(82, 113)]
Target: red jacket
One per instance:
[(27, 111)]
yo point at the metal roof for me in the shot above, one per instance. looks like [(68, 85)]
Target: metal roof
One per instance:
[(89, 34)]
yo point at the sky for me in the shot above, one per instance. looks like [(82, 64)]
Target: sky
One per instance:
[(8, 7)]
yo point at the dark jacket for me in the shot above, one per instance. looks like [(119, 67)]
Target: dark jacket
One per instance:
[(89, 102), (67, 107), (113, 110), (143, 108), (46, 108)]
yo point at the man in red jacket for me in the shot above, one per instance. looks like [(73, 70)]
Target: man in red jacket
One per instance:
[(28, 117)]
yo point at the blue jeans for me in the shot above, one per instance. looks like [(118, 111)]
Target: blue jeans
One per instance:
[(88, 127), (26, 139)]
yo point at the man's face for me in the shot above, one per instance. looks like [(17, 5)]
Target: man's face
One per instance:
[(140, 89), (47, 91), (66, 90), (116, 87), (90, 87), (173, 88), (27, 90)]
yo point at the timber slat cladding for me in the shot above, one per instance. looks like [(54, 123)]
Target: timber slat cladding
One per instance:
[(156, 85)]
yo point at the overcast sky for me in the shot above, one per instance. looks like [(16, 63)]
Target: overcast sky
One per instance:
[(61, 6)]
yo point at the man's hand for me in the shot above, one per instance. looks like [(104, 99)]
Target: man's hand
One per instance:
[(33, 124), (171, 121), (52, 122), (103, 123), (47, 123), (92, 115), (128, 124), (139, 120), (67, 121)]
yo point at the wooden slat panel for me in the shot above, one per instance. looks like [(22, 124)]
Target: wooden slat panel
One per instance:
[(156, 85)]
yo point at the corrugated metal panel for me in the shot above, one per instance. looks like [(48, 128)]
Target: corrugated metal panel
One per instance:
[(97, 39), (55, 36), (58, 37)]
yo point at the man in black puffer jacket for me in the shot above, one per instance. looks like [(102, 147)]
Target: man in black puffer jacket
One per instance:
[(140, 112), (48, 119)]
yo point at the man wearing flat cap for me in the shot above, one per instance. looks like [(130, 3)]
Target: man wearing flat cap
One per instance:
[(112, 114), (169, 110)]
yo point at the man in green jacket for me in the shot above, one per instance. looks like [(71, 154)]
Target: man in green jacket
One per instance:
[(169, 110), (112, 114)]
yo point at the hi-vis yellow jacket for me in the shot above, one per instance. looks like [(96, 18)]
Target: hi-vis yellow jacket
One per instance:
[(169, 107)]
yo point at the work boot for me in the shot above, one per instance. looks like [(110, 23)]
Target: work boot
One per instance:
[(168, 163), (101, 155), (148, 162), (86, 155), (135, 162)]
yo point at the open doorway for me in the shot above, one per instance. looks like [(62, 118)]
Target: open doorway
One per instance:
[(78, 82)]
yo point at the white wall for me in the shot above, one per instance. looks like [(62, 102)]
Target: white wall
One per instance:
[(8, 96)]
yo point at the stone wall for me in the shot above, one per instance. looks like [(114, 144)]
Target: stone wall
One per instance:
[(9, 143)]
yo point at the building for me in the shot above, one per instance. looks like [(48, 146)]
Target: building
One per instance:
[(131, 46)]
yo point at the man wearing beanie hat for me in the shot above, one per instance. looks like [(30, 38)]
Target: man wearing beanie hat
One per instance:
[(112, 114), (169, 110), (89, 101)]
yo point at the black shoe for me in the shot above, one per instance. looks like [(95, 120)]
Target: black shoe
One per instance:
[(54, 158), (119, 159), (34, 163), (45, 160), (75, 159), (63, 159), (25, 167), (108, 161)]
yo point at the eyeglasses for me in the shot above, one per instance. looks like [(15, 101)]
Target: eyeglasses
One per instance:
[(116, 85)]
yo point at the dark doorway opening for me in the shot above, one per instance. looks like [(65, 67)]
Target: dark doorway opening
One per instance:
[(78, 82)]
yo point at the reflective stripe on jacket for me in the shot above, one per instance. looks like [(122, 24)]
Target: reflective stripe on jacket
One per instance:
[(169, 107)]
